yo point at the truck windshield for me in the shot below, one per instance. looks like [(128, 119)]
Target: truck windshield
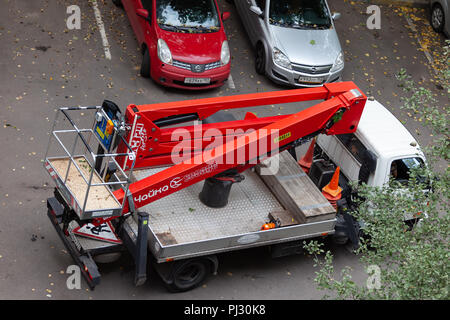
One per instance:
[(190, 16), (301, 14)]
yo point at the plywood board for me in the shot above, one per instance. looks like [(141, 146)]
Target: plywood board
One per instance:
[(99, 196), (295, 190), (283, 217)]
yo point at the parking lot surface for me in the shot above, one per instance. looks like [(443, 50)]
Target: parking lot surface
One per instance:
[(44, 65)]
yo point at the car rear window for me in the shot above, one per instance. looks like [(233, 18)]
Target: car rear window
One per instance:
[(187, 15), (300, 14)]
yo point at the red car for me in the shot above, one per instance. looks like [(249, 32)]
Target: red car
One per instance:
[(183, 41)]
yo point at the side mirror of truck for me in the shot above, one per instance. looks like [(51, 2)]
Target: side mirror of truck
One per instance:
[(368, 166)]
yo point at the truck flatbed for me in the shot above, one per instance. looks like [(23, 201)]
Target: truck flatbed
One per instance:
[(181, 226)]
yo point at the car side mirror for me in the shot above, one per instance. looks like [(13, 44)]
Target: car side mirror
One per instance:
[(336, 16), (256, 10), (225, 15), (143, 14)]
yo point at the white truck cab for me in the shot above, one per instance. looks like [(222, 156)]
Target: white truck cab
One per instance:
[(380, 148), (381, 144)]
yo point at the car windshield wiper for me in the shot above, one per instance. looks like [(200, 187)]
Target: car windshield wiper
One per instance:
[(298, 26), (201, 28), (323, 26), (278, 23), (197, 28), (310, 26), (169, 27)]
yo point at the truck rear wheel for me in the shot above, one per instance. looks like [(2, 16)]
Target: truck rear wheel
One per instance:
[(188, 274), (105, 258)]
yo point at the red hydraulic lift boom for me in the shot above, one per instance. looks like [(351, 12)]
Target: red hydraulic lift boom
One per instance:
[(152, 135)]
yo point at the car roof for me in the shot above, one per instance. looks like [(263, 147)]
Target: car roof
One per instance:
[(383, 133)]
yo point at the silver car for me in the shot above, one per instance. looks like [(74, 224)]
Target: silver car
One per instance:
[(440, 16), (295, 41)]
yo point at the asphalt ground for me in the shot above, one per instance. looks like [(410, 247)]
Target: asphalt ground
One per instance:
[(44, 65)]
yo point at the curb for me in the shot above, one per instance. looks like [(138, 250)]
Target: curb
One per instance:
[(408, 3)]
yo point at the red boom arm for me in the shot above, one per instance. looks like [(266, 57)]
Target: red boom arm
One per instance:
[(154, 145)]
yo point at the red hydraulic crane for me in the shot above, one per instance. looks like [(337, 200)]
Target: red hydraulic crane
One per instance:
[(92, 220), (152, 132)]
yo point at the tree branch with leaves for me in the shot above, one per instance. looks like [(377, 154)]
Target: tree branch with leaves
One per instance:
[(412, 260)]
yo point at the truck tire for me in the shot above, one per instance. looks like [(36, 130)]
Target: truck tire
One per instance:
[(188, 274), (106, 258)]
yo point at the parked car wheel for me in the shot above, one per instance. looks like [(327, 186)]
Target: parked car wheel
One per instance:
[(260, 60), (437, 18), (145, 66), (189, 274)]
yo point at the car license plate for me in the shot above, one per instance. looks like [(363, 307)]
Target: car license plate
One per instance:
[(310, 80), (197, 80)]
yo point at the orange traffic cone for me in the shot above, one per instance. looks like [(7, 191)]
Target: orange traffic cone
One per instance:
[(332, 191), (306, 161)]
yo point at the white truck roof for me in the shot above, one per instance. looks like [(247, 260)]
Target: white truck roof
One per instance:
[(385, 134)]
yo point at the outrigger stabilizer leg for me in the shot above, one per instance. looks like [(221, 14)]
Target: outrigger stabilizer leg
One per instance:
[(137, 244)]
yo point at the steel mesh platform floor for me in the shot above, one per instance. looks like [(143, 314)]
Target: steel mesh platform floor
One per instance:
[(185, 218)]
